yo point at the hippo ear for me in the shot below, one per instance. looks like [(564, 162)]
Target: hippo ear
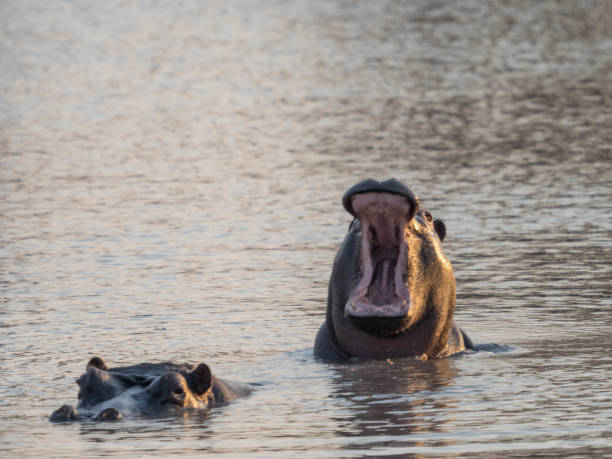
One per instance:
[(440, 228), (97, 362), (200, 379)]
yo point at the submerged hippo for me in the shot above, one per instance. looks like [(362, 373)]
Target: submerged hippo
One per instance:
[(149, 389), (392, 290)]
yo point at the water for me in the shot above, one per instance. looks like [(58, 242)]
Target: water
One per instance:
[(170, 180)]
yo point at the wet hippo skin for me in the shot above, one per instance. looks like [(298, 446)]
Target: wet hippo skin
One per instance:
[(149, 389), (392, 290)]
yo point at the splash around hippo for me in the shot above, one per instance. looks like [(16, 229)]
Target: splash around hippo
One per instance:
[(145, 389), (392, 290)]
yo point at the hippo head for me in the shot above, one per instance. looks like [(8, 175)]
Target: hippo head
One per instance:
[(400, 275), (177, 390), (146, 388)]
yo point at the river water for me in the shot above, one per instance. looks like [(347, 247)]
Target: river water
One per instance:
[(170, 182)]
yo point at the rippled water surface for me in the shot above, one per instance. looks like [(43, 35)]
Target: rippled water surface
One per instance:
[(170, 185)]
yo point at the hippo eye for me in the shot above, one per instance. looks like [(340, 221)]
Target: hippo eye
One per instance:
[(427, 216), (178, 390)]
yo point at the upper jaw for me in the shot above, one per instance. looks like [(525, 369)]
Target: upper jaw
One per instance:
[(381, 291), (391, 186)]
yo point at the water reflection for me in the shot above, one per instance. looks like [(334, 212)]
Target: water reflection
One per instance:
[(146, 426), (394, 401)]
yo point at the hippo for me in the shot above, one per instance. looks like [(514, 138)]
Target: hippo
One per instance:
[(392, 290), (149, 389)]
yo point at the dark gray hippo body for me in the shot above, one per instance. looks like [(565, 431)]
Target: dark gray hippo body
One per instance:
[(150, 389), (392, 290)]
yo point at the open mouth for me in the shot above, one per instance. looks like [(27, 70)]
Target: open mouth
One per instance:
[(381, 291)]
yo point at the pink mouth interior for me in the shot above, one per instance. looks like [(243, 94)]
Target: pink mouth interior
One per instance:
[(381, 291)]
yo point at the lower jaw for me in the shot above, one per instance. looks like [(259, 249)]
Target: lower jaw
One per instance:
[(380, 326)]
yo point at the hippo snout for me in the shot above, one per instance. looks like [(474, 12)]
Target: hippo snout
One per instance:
[(391, 186)]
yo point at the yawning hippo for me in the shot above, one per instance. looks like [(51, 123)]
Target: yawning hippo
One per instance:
[(392, 290), (150, 389)]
